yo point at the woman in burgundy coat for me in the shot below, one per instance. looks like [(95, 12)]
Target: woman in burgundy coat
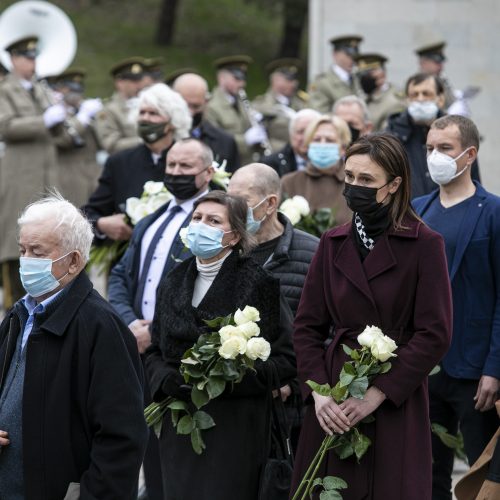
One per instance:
[(385, 268)]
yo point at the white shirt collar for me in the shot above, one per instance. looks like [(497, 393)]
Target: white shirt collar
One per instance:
[(341, 73), (26, 84), (186, 205)]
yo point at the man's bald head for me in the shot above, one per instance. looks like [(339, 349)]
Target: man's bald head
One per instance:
[(194, 89), (255, 180)]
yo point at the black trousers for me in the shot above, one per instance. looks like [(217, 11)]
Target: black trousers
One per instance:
[(452, 405)]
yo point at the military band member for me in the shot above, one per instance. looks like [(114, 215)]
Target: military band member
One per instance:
[(382, 98), (282, 100), (28, 124), (338, 81), (78, 170), (227, 111), (115, 125), (431, 60)]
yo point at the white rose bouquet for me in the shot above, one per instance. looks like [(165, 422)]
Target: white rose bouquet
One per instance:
[(218, 359), (297, 210), (355, 377), (154, 195)]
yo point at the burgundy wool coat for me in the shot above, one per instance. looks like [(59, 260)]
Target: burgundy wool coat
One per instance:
[(402, 287)]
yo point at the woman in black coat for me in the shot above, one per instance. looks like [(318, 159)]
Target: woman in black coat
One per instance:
[(218, 281)]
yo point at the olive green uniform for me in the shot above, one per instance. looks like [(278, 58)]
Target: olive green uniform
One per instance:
[(277, 116), (383, 104), (232, 119), (116, 129), (328, 88)]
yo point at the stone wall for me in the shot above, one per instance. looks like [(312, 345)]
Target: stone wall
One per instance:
[(396, 27)]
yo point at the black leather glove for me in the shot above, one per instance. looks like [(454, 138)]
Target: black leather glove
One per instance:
[(174, 386)]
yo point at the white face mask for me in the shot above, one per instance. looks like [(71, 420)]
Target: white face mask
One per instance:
[(423, 111), (443, 168)]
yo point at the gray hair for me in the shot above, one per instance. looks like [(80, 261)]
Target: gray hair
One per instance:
[(168, 103), (353, 99), (307, 112), (71, 226)]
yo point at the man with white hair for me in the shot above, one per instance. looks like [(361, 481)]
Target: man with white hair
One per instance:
[(294, 155), (354, 111), (71, 399), (194, 90), (163, 118)]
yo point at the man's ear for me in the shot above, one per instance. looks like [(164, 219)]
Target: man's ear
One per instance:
[(440, 101), (272, 202)]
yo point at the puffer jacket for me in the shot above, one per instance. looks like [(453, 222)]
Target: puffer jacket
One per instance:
[(290, 261)]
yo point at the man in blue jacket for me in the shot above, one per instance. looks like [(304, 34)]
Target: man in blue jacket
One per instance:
[(154, 249), (463, 393)]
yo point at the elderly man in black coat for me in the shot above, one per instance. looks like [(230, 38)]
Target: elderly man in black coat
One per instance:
[(71, 400)]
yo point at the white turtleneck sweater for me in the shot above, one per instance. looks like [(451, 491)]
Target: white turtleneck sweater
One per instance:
[(205, 278)]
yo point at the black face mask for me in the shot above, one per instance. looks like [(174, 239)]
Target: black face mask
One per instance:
[(368, 83), (363, 200), (183, 187), (197, 117), (355, 132), (151, 132)]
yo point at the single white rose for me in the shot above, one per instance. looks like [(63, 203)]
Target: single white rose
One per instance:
[(230, 331), (152, 187), (183, 236), (249, 329), (139, 211), (233, 346), (257, 347), (368, 335), (383, 348), (293, 214), (249, 313), (286, 204), (130, 206), (302, 205)]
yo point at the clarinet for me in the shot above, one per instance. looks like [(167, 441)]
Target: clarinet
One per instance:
[(78, 140), (251, 115)]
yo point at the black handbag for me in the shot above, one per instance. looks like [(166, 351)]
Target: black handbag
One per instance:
[(276, 475)]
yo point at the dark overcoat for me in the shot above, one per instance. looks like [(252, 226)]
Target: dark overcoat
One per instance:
[(82, 416), (229, 468), (402, 287)]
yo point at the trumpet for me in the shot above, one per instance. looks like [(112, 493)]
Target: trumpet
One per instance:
[(252, 116)]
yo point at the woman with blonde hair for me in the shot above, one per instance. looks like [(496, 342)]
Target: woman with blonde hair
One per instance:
[(322, 181)]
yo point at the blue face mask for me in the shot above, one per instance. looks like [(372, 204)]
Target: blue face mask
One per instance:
[(36, 275), (254, 225), (205, 241), (323, 154)]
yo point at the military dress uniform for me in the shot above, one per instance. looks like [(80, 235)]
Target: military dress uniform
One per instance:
[(78, 170), (28, 167), (329, 87), (227, 111), (277, 110), (381, 101), (116, 126)]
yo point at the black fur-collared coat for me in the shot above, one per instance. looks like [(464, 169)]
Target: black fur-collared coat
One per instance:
[(236, 447)]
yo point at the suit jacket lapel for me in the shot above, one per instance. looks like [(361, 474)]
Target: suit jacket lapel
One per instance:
[(380, 259), (177, 250), (471, 217)]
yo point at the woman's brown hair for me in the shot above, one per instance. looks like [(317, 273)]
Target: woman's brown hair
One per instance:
[(388, 153), (237, 210)]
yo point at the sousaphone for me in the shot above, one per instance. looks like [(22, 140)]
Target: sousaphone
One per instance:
[(56, 34)]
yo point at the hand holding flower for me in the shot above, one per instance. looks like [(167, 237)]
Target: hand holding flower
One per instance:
[(357, 409)]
